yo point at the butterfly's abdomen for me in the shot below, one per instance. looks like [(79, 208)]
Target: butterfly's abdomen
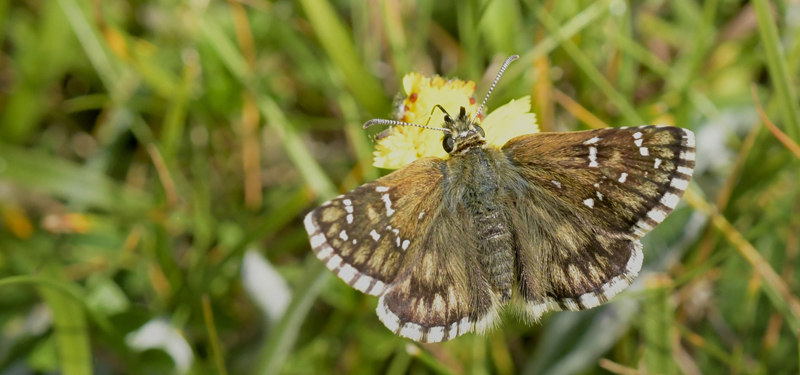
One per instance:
[(484, 201)]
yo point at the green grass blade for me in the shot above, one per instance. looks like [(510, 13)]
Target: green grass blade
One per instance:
[(780, 78), (591, 14), (64, 179), (430, 361), (297, 151), (106, 67), (657, 322), (226, 50), (283, 335), (69, 322), (333, 35), (628, 112)]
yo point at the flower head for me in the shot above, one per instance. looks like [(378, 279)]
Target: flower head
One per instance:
[(404, 144)]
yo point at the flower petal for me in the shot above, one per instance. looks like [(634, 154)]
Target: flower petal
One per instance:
[(510, 120), (405, 144)]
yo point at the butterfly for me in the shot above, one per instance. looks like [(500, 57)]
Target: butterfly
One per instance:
[(549, 221)]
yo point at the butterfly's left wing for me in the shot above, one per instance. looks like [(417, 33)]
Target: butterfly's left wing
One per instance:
[(392, 238), (366, 236), (587, 199)]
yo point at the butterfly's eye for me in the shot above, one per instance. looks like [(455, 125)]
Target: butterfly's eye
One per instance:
[(480, 130), (448, 143)]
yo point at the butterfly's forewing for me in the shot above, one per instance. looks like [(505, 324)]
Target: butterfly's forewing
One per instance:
[(387, 238), (366, 235), (588, 197)]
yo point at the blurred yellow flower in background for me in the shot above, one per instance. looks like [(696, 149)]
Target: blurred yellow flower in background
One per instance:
[(404, 144)]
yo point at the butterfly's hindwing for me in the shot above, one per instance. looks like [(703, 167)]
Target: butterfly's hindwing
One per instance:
[(590, 196), (443, 292)]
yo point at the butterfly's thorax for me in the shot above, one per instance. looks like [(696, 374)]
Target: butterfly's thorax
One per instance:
[(475, 179)]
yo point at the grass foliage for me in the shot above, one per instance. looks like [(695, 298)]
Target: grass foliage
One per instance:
[(152, 151)]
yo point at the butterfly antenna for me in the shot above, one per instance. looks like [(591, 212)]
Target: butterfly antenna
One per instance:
[(394, 122), (499, 74), (440, 108)]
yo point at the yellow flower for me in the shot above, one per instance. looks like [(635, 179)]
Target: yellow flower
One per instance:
[(404, 144)]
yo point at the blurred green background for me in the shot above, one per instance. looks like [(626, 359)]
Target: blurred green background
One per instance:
[(157, 157)]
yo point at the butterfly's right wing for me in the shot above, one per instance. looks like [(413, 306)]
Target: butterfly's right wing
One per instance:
[(587, 199), (391, 238)]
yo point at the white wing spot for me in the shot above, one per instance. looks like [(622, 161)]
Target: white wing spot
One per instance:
[(381, 189), (349, 218), (684, 170), (644, 151), (436, 334), (589, 300), (388, 202), (421, 214), (689, 137), (325, 253), (398, 241), (558, 184), (375, 235), (362, 283), (308, 222), (658, 162), (334, 262), (347, 273), (347, 202), (679, 184), (343, 235), (623, 177), (657, 215), (589, 203), (317, 240), (670, 200), (593, 157), (405, 244), (412, 331), (354, 241), (637, 135), (592, 141), (349, 209), (638, 142), (599, 196)]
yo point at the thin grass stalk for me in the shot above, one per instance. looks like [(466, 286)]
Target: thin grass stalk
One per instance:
[(657, 320), (776, 290), (781, 136), (216, 347), (628, 112), (780, 76), (332, 33), (70, 326)]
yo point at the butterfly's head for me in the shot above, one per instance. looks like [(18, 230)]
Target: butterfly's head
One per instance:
[(461, 132)]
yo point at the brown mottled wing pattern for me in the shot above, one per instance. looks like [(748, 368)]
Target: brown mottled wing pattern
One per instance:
[(388, 238), (444, 292), (588, 198)]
